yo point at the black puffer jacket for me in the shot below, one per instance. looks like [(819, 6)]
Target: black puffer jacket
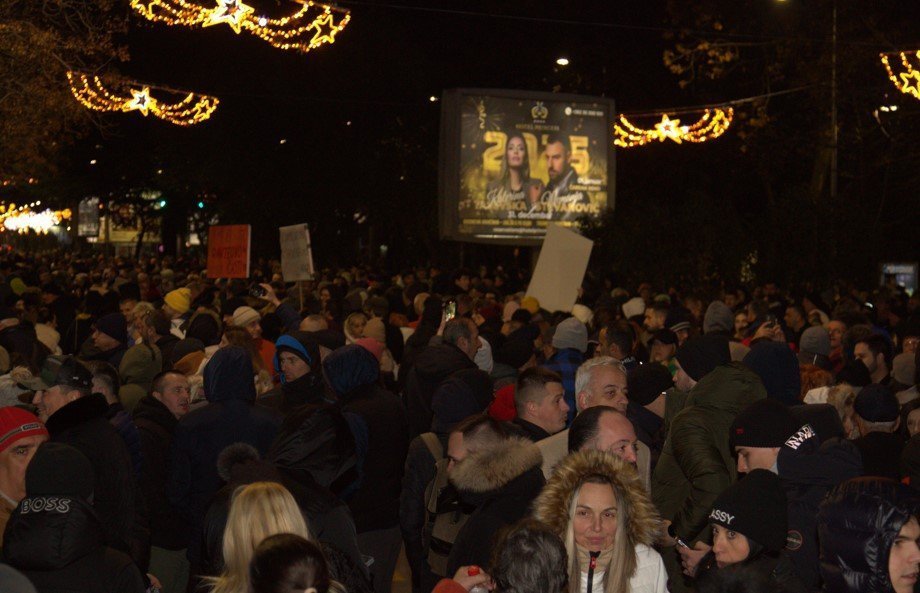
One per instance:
[(432, 367), (808, 469), (59, 546), (82, 424), (857, 525)]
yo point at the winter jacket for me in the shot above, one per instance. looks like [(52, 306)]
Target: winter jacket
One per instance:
[(229, 417), (649, 429), (527, 430), (432, 366), (566, 363), (775, 571), (378, 422), (83, 424), (155, 425), (696, 464), (808, 469), (59, 544), (553, 507), (500, 483), (881, 454), (121, 420), (308, 389), (419, 471), (857, 525)]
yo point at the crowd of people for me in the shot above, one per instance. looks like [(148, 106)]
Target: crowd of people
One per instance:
[(161, 430)]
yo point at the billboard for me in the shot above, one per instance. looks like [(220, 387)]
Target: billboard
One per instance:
[(514, 162)]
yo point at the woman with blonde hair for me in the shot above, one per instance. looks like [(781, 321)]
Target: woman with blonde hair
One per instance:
[(258, 511), (598, 506)]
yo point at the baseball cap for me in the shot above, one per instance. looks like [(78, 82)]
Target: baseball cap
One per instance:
[(61, 370)]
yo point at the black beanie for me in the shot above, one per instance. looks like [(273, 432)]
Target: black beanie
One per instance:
[(778, 367), (462, 395), (855, 373), (646, 382), (701, 354), (764, 423), (515, 352), (755, 507), (60, 469)]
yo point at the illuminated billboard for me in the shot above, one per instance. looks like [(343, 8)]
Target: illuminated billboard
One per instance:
[(514, 162)]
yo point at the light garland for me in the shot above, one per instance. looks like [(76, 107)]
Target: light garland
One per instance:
[(712, 124), (22, 218), (91, 92), (907, 82), (311, 26)]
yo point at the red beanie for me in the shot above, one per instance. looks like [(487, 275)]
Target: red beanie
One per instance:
[(16, 423)]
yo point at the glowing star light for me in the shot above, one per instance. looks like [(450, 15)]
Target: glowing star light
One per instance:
[(908, 82), (93, 94), (712, 124), (309, 27)]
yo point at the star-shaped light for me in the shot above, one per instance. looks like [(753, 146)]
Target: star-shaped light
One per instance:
[(232, 12), (911, 80), (140, 101), (324, 35), (669, 128)]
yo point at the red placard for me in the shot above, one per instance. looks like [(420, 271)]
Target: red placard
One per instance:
[(228, 251)]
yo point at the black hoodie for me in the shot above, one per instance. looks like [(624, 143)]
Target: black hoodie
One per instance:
[(433, 366)]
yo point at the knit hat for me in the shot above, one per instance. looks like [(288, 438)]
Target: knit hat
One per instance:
[(113, 325), (582, 313), (571, 333), (522, 315), (646, 382), (718, 318), (764, 423), (754, 506), (815, 340), (854, 373), (699, 355), (60, 469), (531, 304), (350, 368), (15, 424), (903, 369), (243, 316), (465, 393), (205, 326), (778, 367), (372, 346), (515, 352), (376, 329), (300, 344), (876, 403), (823, 418), (678, 319), (633, 307), (18, 286), (179, 300)]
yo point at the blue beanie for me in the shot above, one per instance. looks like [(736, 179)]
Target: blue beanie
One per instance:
[(778, 367)]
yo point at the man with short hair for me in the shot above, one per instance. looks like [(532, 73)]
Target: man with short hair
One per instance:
[(156, 416), (496, 474), (314, 323), (875, 352), (20, 435), (76, 416), (539, 400), (796, 321), (603, 428), (559, 190), (107, 382), (877, 417), (655, 316)]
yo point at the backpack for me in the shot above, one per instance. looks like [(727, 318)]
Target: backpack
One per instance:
[(444, 515)]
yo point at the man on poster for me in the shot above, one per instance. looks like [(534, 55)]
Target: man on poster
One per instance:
[(558, 193)]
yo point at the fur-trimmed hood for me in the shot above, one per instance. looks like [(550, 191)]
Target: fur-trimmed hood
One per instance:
[(495, 467), (552, 506)]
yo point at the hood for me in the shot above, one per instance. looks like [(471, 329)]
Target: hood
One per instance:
[(140, 365), (778, 367), (436, 362), (229, 376), (303, 344), (50, 532), (493, 468), (152, 410), (315, 441), (857, 524), (350, 368), (205, 326), (729, 387), (552, 506)]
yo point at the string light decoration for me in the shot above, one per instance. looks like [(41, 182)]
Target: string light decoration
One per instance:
[(20, 219), (713, 123), (308, 28), (92, 93), (908, 82)]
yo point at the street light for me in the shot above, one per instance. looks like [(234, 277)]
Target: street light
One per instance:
[(563, 61)]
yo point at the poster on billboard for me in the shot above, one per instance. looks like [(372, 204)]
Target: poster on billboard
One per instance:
[(513, 163)]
